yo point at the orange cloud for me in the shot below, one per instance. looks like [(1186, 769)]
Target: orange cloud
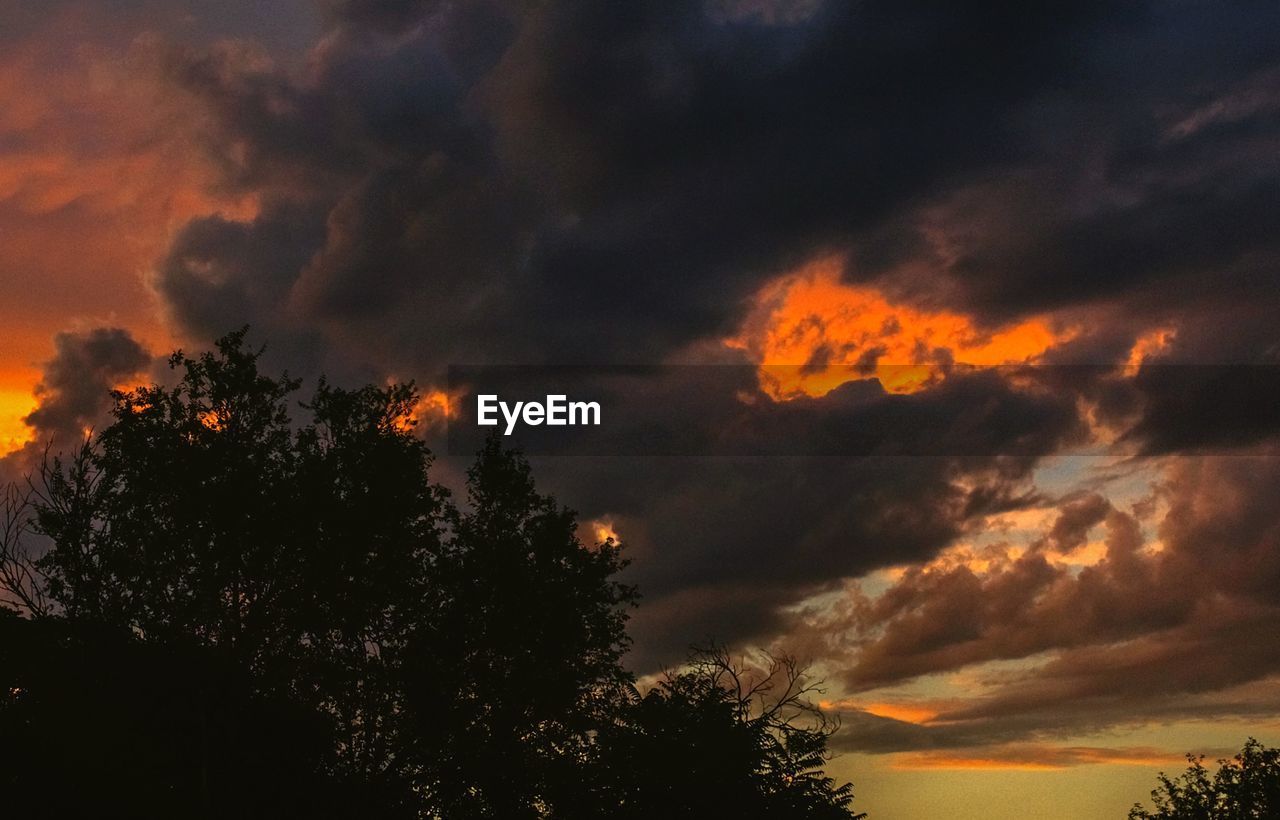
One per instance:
[(1034, 757), (812, 332), (603, 530), (1148, 346), (983, 560), (433, 409), (905, 711)]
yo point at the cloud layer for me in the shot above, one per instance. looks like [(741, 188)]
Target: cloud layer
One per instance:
[(870, 194)]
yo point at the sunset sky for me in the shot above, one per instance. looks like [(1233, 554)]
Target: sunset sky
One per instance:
[(1078, 584)]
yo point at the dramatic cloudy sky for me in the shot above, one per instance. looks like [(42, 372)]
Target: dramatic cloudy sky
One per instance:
[(1028, 586)]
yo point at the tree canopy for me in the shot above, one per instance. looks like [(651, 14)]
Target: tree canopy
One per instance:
[(721, 737), (247, 610), (1245, 787)]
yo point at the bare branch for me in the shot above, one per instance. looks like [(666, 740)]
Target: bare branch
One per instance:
[(20, 576)]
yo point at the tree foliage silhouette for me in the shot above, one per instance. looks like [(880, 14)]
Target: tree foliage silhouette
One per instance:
[(247, 592), (96, 723), (1246, 787), (721, 738)]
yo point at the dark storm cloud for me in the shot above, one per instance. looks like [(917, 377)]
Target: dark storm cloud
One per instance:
[(698, 156), (721, 544), (577, 181), (73, 393), (1170, 406), (1188, 408), (1148, 176), (720, 410), (583, 181), (383, 15), (285, 24), (627, 174), (209, 295), (1144, 236)]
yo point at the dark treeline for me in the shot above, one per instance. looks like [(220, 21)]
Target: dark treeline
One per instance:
[(216, 609)]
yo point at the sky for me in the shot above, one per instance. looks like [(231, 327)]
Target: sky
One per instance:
[(1033, 247)]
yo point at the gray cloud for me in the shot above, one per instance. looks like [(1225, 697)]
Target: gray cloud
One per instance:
[(73, 393)]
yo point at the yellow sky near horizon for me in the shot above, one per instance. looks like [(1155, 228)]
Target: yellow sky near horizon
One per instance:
[(1082, 790)]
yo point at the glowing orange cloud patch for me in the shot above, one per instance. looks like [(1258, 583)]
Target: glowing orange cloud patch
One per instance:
[(901, 711), (811, 332), (436, 404), (993, 559), (1028, 757), (433, 409), (602, 530), (1148, 345), (906, 712)]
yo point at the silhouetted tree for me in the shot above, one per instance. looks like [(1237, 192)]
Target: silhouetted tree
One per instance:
[(1246, 787), (97, 723), (303, 556), (532, 637), (720, 739), (277, 617)]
